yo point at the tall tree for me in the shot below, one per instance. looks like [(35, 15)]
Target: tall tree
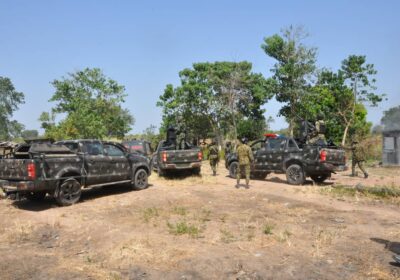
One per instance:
[(92, 104), (292, 71), (361, 78), (10, 99), (332, 96), (213, 96)]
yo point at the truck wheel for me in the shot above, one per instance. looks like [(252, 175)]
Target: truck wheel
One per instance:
[(141, 179), (36, 196), (233, 168), (295, 175), (196, 171), (319, 178), (69, 192)]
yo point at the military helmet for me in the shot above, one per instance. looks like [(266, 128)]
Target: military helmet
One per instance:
[(244, 140), (320, 116)]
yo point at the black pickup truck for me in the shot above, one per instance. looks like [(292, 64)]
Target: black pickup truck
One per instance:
[(284, 155), (139, 146), (62, 169), (183, 157)]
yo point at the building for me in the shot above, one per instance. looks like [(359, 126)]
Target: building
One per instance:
[(391, 147)]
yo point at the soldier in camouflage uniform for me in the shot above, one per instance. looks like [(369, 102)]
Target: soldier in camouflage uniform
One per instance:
[(357, 158), (319, 133), (245, 158), (213, 156)]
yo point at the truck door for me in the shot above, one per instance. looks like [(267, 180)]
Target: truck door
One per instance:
[(259, 152), (118, 167), (96, 163), (274, 153)]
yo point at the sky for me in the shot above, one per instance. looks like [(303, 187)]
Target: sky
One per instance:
[(144, 44)]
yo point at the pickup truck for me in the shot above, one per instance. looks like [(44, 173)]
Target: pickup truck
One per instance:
[(62, 169), (139, 146), (285, 155), (167, 158)]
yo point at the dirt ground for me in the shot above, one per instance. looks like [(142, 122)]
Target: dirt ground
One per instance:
[(202, 227)]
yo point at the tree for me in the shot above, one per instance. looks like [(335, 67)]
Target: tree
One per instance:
[(29, 134), (292, 71), (252, 129), (92, 104), (332, 96), (391, 119), (10, 99), (360, 76), (212, 97)]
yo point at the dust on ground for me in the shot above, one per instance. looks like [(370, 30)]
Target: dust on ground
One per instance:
[(202, 227)]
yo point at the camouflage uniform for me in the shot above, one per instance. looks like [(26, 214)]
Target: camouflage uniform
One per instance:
[(245, 157), (357, 158), (320, 132), (213, 157)]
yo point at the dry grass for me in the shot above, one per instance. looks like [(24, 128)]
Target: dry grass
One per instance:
[(323, 239), (150, 213), (376, 192), (182, 227), (152, 251), (19, 232)]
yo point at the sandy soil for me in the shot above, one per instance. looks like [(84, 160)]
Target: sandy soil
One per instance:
[(202, 227)]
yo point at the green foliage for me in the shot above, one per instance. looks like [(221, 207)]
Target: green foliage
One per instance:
[(361, 76), (29, 134), (391, 118), (252, 129), (92, 104), (213, 96), (295, 64), (335, 99), (10, 99)]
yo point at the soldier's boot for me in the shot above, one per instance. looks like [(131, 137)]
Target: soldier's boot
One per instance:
[(237, 183), (214, 171), (247, 183)]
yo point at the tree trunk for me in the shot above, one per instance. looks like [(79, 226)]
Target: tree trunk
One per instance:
[(291, 127), (345, 133)]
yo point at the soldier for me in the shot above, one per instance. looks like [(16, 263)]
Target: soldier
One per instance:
[(213, 156), (319, 133), (357, 158), (245, 158), (228, 147)]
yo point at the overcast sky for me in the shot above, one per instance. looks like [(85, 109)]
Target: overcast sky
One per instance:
[(144, 44)]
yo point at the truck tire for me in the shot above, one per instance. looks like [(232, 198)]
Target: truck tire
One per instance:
[(196, 171), (68, 192), (295, 175), (36, 196), (140, 179), (319, 178), (233, 167)]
